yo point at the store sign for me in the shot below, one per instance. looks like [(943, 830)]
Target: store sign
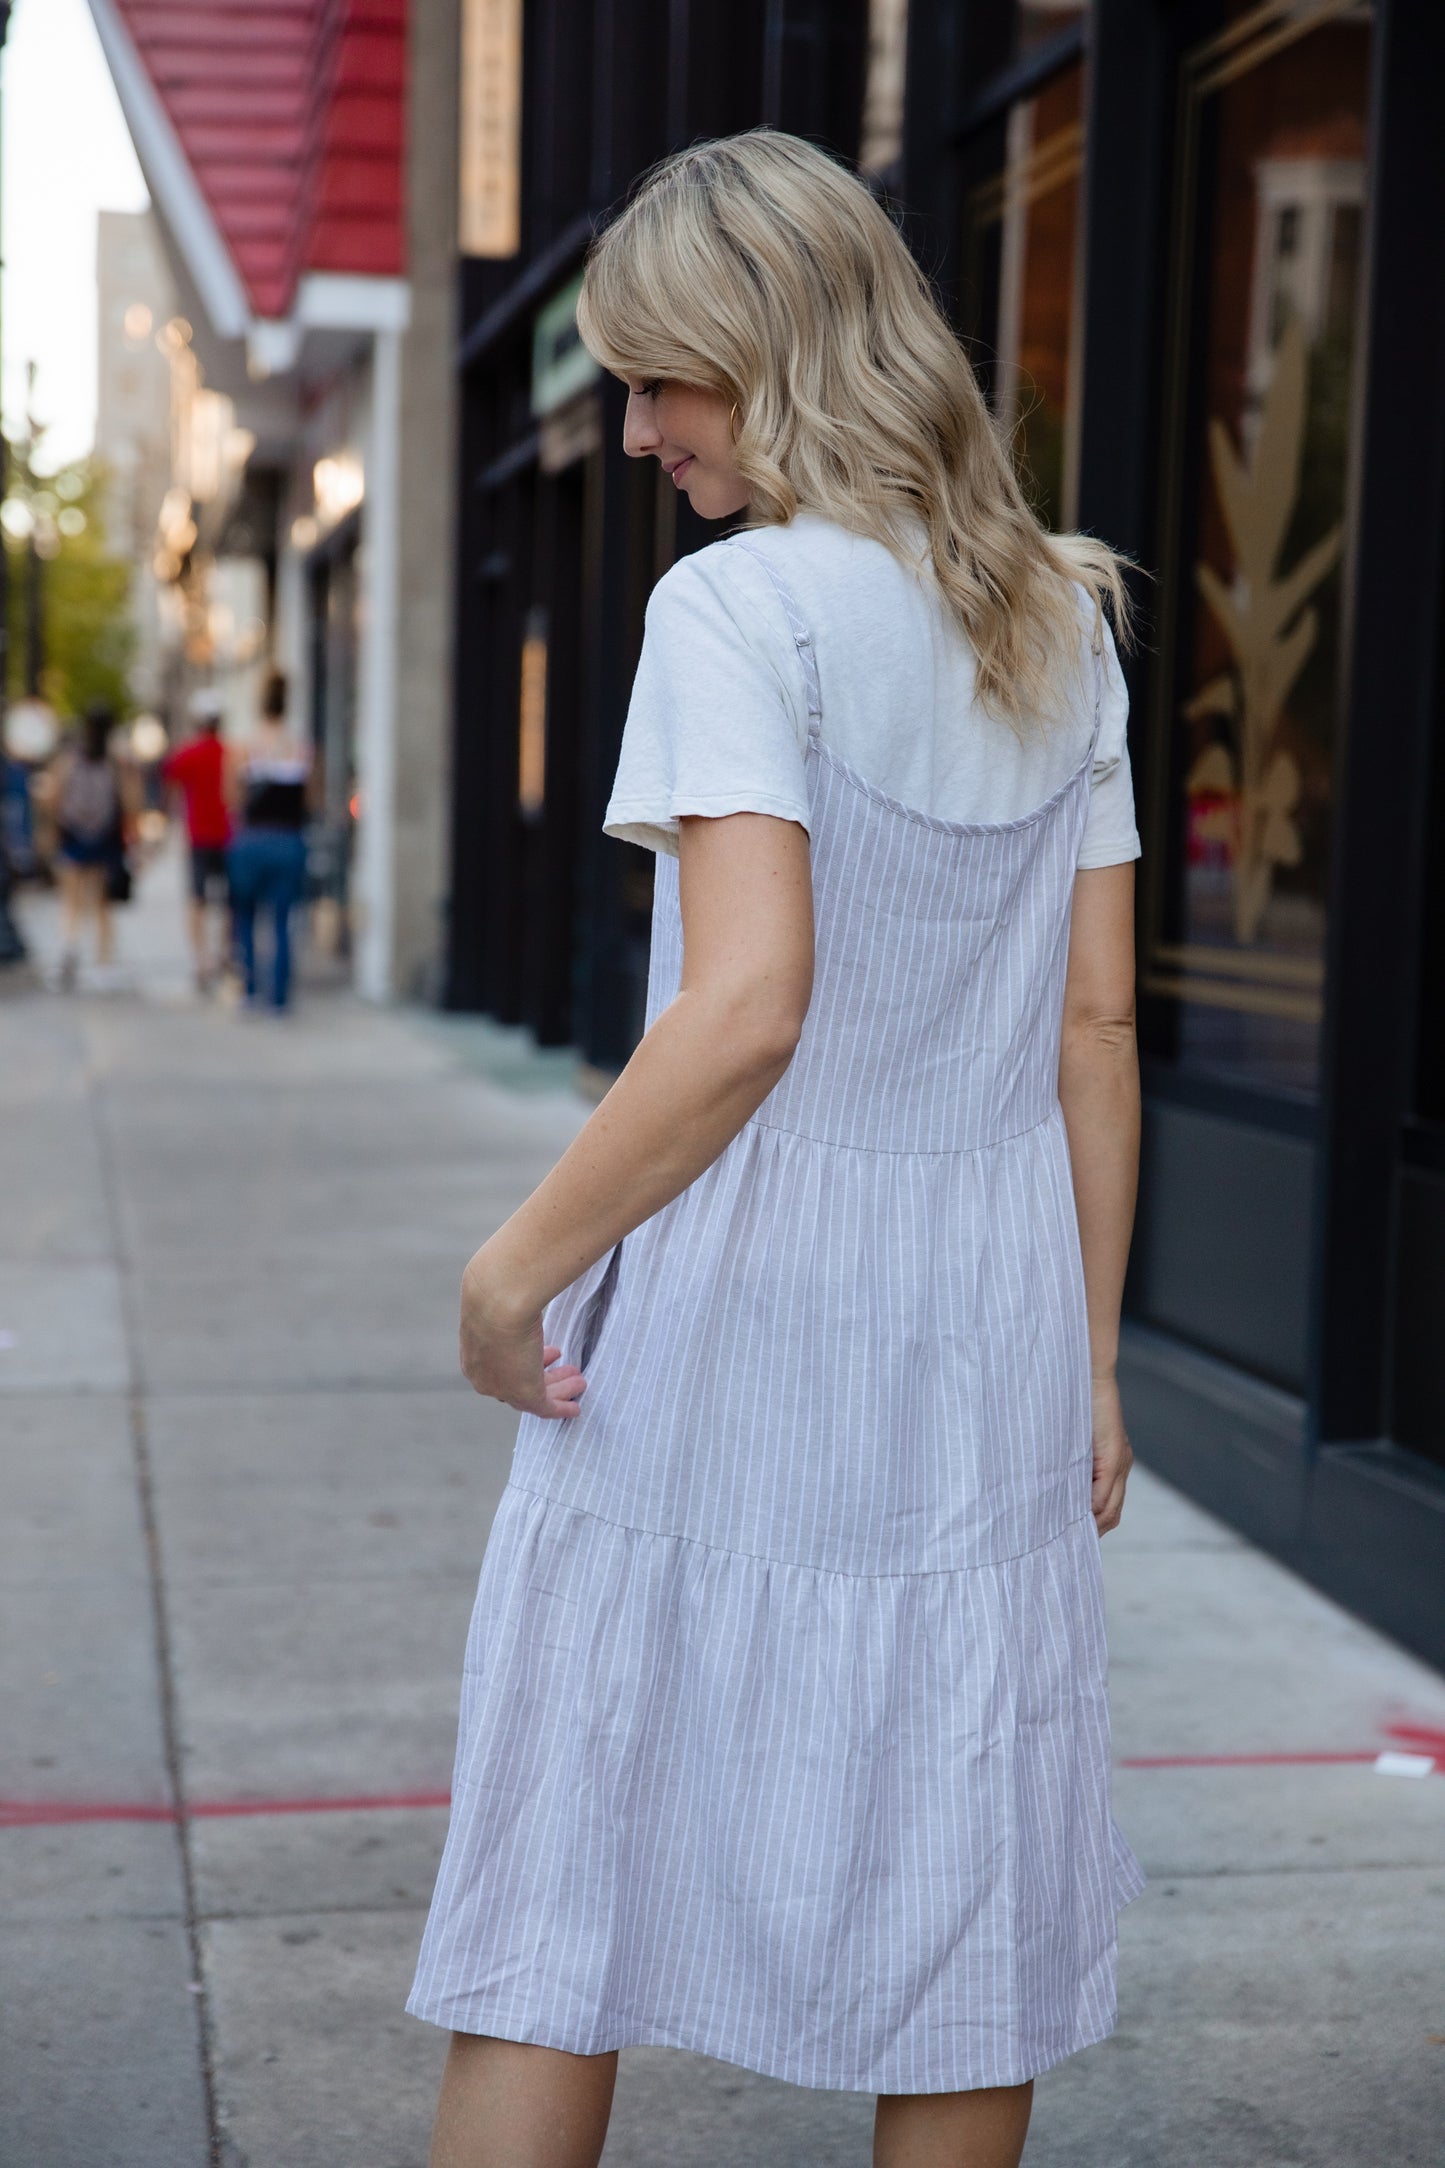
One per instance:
[(489, 206), (561, 364)]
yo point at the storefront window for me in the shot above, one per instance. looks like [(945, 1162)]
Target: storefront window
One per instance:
[(1267, 271), (1021, 261), (1035, 22), (1007, 34)]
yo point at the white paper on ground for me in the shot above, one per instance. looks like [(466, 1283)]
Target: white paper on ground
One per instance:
[(1403, 1765)]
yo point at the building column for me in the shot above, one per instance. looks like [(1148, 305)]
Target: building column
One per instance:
[(427, 507), (377, 688)]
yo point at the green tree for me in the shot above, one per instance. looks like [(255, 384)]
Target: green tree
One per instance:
[(87, 634)]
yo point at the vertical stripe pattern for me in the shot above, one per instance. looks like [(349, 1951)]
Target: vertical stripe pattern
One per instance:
[(784, 1734)]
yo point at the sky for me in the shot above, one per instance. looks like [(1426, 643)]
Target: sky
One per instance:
[(66, 155)]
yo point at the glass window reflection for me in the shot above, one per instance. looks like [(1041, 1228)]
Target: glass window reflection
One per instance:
[(1021, 261), (1035, 22), (1268, 256)]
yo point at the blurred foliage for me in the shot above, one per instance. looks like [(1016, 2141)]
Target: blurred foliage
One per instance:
[(87, 634)]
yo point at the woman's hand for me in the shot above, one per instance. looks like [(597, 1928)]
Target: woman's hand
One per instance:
[(1113, 1457), (701, 1070), (503, 1355)]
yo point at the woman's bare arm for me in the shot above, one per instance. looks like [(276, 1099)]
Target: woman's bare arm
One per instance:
[(700, 1072), (1099, 1090)]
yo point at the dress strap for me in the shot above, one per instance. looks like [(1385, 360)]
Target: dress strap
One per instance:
[(1093, 753), (802, 638)]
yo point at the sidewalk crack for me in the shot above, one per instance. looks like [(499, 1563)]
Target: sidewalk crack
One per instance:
[(160, 1617)]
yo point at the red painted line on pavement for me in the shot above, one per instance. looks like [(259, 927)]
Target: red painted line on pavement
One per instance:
[(1241, 1761), (1408, 1738), (52, 1813), (202, 1809), (45, 1813), (1417, 1739)]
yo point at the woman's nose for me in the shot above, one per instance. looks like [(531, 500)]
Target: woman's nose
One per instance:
[(640, 434)]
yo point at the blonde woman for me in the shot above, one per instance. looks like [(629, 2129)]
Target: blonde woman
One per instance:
[(784, 1734)]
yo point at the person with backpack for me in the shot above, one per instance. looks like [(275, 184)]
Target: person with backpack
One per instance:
[(90, 819)]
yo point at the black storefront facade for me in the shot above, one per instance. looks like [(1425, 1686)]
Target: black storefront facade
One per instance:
[(1194, 246)]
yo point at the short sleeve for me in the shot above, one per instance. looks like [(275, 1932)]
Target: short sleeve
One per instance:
[(718, 720), (1110, 834)]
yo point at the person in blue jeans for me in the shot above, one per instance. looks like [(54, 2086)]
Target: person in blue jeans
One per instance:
[(266, 862)]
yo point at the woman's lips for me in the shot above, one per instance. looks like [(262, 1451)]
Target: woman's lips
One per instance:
[(681, 468)]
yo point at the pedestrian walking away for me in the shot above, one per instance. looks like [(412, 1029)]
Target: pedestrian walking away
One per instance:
[(90, 817), (784, 1735), (269, 780), (196, 770)]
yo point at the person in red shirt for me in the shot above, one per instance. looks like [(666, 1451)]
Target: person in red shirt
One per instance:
[(196, 771)]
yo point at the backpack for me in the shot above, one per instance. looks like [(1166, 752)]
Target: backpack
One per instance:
[(89, 801)]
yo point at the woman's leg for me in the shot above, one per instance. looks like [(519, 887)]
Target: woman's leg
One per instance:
[(985, 2129), (243, 910), (197, 927), (71, 893), (506, 2105), (286, 894), (104, 923), (240, 873), (281, 977)]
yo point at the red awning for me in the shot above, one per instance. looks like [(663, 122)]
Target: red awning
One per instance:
[(291, 115)]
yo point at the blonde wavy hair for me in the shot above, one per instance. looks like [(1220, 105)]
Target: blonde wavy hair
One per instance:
[(757, 267)]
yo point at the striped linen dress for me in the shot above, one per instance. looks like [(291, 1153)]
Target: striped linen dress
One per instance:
[(784, 1735)]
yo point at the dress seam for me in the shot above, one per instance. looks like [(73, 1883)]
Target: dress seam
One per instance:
[(802, 1565), (908, 1151)]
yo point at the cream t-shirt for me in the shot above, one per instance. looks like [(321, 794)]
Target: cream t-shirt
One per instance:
[(718, 721)]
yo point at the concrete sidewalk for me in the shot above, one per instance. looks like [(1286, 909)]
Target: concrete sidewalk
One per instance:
[(245, 1499)]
